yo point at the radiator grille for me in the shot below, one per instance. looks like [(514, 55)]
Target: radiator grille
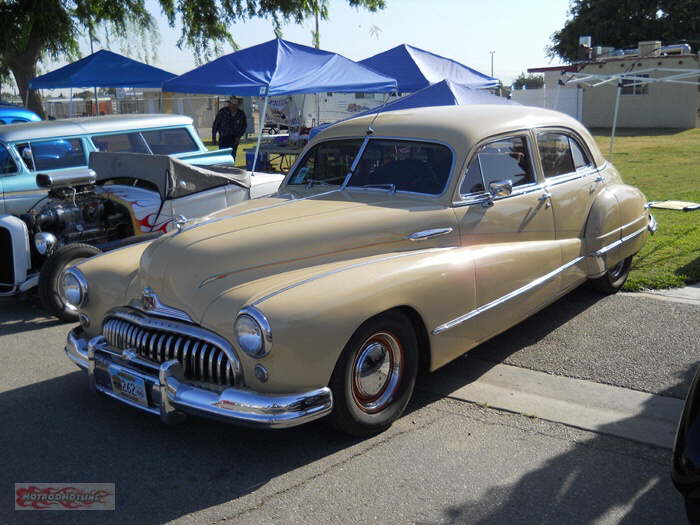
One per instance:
[(200, 359)]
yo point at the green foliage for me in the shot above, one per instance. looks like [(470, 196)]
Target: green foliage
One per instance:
[(664, 165), (625, 24), (529, 81)]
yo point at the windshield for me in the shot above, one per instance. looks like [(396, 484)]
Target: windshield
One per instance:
[(403, 165), (326, 163)]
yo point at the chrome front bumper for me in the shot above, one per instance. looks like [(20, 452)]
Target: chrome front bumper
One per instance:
[(171, 398)]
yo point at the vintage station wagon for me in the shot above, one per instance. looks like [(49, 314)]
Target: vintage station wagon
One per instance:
[(393, 245), (56, 146)]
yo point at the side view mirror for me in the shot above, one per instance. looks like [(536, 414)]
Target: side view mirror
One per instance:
[(501, 188)]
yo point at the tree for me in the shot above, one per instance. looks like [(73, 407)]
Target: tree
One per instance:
[(529, 81), (39, 29), (624, 24)]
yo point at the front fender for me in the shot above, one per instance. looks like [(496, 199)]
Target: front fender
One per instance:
[(617, 227), (312, 319), (109, 277)]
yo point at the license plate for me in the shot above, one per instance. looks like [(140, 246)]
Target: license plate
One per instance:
[(128, 386)]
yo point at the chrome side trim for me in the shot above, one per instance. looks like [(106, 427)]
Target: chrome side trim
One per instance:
[(345, 268), (512, 295), (620, 242), (429, 234)]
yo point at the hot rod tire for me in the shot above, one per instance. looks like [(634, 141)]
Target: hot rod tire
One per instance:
[(612, 280), (52, 273), (374, 378)]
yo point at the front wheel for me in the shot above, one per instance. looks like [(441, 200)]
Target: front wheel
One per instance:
[(51, 276), (612, 280), (375, 375)]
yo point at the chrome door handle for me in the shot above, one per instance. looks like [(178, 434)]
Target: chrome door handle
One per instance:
[(429, 234), (599, 178), (546, 197)]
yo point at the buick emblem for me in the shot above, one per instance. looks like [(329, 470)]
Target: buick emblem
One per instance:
[(148, 299)]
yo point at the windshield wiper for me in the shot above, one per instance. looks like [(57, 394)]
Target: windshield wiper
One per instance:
[(390, 187)]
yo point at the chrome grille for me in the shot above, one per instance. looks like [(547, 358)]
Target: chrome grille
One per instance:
[(200, 359)]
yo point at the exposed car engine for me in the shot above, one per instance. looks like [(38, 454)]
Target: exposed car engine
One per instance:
[(75, 212)]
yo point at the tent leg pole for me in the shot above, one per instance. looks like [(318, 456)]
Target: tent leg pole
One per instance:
[(97, 104), (614, 124), (262, 124), (70, 104)]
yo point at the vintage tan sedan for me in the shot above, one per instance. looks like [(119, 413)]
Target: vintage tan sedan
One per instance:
[(395, 244)]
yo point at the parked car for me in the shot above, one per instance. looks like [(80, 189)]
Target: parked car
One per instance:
[(56, 145), (11, 114), (394, 245), (686, 452), (122, 199)]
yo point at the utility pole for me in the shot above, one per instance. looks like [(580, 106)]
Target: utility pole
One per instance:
[(492, 53)]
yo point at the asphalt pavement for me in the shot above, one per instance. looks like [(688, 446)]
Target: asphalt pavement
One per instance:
[(445, 461)]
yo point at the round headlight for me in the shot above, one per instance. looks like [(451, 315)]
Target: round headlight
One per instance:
[(45, 242), (74, 289), (253, 333)]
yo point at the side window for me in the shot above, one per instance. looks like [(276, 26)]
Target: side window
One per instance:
[(473, 181), (555, 154), (52, 154), (580, 158), (7, 165), (504, 159), (169, 141), (120, 142)]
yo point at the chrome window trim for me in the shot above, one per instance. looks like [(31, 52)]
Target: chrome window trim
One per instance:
[(572, 134), (464, 199), (505, 298), (83, 142)]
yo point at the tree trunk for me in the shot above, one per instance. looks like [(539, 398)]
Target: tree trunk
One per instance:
[(23, 72)]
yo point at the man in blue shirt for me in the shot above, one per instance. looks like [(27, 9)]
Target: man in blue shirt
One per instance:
[(230, 123)]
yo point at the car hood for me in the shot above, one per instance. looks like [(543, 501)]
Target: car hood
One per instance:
[(259, 245)]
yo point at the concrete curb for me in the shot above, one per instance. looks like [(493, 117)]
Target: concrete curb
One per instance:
[(629, 414)]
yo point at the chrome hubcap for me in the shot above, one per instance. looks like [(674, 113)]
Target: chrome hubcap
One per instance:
[(376, 372)]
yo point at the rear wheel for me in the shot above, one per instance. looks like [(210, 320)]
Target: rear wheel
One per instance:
[(375, 375), (51, 276), (612, 280)]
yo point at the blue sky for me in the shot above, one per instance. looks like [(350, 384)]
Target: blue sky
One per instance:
[(464, 30)]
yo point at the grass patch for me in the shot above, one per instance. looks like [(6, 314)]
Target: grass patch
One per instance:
[(664, 164)]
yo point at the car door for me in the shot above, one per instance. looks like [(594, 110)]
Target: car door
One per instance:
[(510, 235), (572, 182)]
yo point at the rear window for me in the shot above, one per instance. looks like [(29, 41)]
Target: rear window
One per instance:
[(120, 143), (52, 154), (169, 141), (403, 165)]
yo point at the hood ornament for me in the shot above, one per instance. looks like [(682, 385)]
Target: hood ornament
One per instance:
[(149, 299), (180, 222)]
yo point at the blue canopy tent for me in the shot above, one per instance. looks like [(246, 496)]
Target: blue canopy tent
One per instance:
[(444, 93), (279, 67), (102, 69), (416, 69)]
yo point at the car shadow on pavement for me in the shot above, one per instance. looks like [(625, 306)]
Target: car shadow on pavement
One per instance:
[(585, 485), (24, 313), (59, 431)]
